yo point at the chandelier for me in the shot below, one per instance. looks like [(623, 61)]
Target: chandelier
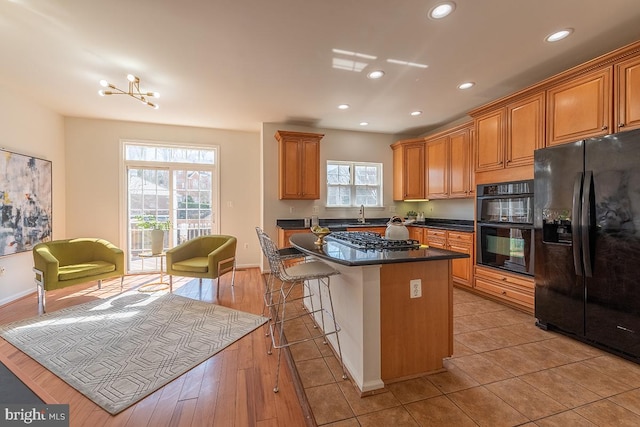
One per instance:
[(134, 91)]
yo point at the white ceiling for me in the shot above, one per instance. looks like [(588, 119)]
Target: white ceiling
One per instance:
[(234, 64)]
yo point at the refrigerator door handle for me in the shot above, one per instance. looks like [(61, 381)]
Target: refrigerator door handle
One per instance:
[(585, 223), (575, 224)]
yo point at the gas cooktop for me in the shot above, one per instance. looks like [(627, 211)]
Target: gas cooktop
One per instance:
[(371, 240)]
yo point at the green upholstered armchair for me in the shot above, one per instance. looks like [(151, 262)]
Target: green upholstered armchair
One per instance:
[(62, 263), (207, 257)]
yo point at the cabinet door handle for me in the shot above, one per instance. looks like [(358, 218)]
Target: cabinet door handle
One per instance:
[(604, 127), (620, 125), (504, 292)]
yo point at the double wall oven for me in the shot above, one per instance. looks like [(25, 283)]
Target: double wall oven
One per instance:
[(504, 220)]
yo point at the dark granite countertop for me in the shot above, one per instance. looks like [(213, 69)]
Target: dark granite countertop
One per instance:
[(340, 253), (447, 224), (341, 224)]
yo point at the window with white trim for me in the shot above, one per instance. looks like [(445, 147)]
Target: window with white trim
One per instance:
[(171, 187), (352, 184)]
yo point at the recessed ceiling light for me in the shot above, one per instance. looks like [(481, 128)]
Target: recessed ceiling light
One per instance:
[(376, 74), (416, 113), (466, 85), (364, 123), (559, 35), (343, 106), (442, 10)]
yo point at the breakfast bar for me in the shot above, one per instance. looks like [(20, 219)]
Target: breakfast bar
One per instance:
[(393, 305)]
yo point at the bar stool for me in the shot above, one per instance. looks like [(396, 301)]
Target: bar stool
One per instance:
[(289, 256), (301, 273)]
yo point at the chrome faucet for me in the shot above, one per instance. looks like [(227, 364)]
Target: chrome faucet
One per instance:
[(361, 220)]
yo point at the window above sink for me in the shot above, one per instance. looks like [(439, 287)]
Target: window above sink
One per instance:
[(353, 184)]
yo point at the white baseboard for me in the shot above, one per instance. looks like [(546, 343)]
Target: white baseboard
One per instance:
[(17, 296), (246, 266)]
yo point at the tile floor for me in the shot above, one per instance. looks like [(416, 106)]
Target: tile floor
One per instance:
[(504, 372)]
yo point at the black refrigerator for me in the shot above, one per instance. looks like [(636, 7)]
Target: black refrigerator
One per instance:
[(587, 241)]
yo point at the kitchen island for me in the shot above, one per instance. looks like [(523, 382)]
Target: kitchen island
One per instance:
[(394, 308)]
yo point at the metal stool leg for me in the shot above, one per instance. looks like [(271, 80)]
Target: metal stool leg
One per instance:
[(284, 294), (267, 302)]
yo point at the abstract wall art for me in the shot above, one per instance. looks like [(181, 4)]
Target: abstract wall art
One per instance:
[(25, 202)]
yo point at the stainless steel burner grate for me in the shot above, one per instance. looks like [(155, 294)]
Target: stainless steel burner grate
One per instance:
[(371, 240)]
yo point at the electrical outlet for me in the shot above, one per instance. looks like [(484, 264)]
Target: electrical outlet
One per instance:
[(291, 209), (415, 288), (246, 246), (392, 208), (316, 210), (2, 270)]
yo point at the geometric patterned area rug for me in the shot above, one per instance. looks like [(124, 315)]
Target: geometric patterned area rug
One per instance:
[(118, 350)]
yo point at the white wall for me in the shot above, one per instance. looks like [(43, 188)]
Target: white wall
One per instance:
[(94, 178), (28, 128), (449, 209)]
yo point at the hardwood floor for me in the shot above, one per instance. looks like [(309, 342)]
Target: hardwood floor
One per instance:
[(232, 388)]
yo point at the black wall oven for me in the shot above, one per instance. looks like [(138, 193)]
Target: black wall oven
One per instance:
[(504, 218)]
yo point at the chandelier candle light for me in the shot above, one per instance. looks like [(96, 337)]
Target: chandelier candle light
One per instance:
[(134, 91)]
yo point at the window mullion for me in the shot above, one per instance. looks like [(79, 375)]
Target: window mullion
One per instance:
[(352, 183)]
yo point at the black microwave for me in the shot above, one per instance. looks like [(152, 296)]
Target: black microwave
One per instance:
[(508, 202)]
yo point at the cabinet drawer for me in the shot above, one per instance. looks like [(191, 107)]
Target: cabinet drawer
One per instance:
[(505, 291), (436, 233), (437, 243), (455, 236), (512, 280)]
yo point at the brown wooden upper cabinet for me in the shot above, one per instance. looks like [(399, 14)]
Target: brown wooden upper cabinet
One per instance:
[(438, 168), (490, 137), (299, 165), (449, 172), (506, 137), (461, 176), (627, 95), (408, 169), (580, 108)]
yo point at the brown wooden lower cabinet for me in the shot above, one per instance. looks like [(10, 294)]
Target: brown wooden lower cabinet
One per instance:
[(379, 230), (462, 269), (457, 241), (415, 333), (285, 234), (515, 290), (416, 233)]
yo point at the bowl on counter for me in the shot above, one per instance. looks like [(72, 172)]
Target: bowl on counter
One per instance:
[(320, 233)]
